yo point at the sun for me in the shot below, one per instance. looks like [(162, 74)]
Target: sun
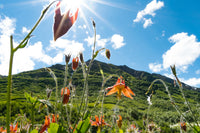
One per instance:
[(72, 5)]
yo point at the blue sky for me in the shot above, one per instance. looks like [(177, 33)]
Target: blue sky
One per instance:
[(146, 35)]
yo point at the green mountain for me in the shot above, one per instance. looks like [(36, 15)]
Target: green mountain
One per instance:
[(161, 111)]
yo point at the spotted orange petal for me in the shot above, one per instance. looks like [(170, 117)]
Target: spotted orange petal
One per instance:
[(113, 90), (126, 93), (130, 90)]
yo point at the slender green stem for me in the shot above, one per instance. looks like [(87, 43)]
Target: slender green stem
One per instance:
[(64, 85), (172, 101), (9, 88), (36, 24), (85, 74), (181, 89), (32, 117)]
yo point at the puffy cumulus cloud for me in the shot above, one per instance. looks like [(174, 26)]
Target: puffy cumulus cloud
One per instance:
[(65, 46), (149, 10), (183, 53), (118, 41), (154, 67), (99, 41), (147, 23), (25, 59), (7, 26), (25, 30), (195, 82)]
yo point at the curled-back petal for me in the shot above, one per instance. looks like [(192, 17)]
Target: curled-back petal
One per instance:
[(62, 23)]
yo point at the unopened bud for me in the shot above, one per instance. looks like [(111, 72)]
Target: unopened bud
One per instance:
[(108, 53), (173, 68), (81, 57), (67, 58)]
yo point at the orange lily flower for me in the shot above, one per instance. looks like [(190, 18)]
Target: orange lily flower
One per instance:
[(183, 126), (98, 122), (62, 23), (66, 95), (75, 62), (12, 129), (120, 88), (2, 131), (119, 121), (46, 124)]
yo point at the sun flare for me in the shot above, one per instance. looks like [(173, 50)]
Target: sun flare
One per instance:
[(73, 4)]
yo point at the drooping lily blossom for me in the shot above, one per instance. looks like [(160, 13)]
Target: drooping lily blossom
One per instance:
[(62, 23), (99, 123), (119, 121), (75, 62), (121, 88), (183, 126), (46, 124), (66, 95)]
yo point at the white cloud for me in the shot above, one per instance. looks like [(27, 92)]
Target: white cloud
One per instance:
[(65, 46), (82, 26), (118, 41), (163, 33), (149, 10), (25, 59), (147, 23), (155, 67), (7, 26), (192, 82), (99, 42), (183, 53), (25, 30), (198, 71)]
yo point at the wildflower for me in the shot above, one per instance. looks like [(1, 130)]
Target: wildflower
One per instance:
[(62, 23), (132, 129), (119, 121), (183, 126), (75, 62), (108, 53), (2, 131), (121, 88), (54, 118), (67, 58), (66, 95), (12, 129), (99, 123), (45, 125)]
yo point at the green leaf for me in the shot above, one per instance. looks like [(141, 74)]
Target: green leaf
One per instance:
[(34, 131), (120, 131), (26, 42), (87, 114), (83, 126), (96, 53), (53, 128), (196, 129), (30, 99)]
